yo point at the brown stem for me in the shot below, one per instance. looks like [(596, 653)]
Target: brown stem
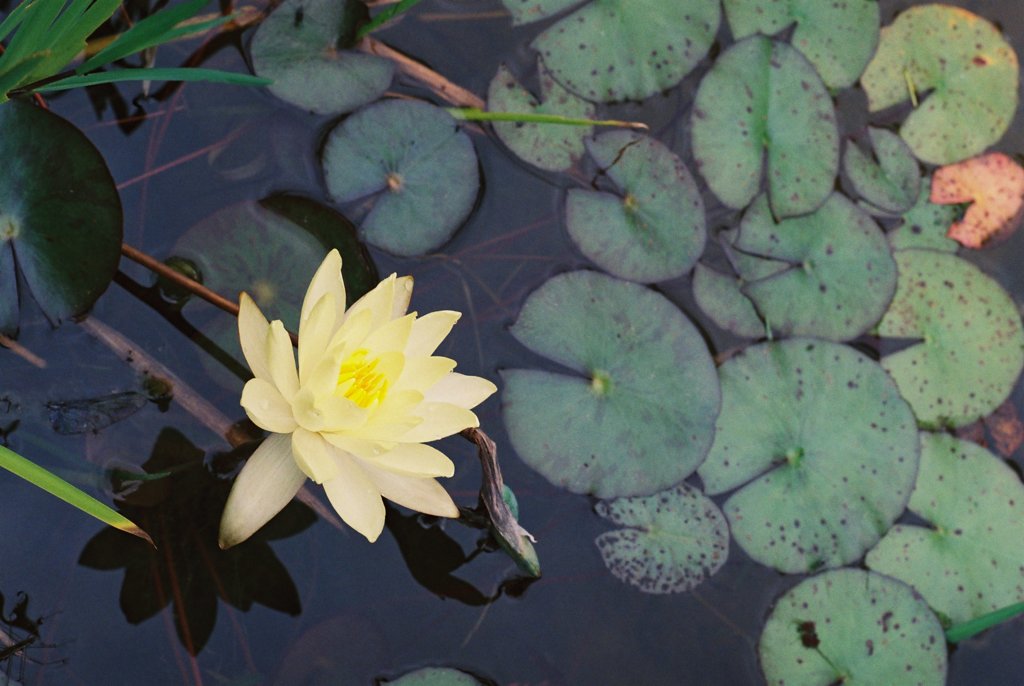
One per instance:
[(455, 94)]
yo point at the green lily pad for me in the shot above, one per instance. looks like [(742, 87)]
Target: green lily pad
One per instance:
[(671, 541), (925, 225), (720, 297), (763, 96), (653, 228), (612, 50), (435, 676), (855, 628), (893, 182), (415, 161), (969, 561), (60, 216), (968, 66), (840, 276), (303, 46), (526, 11), (837, 37), (635, 413), (971, 343), (554, 148), (823, 446)]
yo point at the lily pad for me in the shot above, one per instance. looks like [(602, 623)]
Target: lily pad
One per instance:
[(840, 276), (968, 66), (303, 46), (893, 182), (855, 628), (764, 96), (554, 148), (526, 11), (612, 50), (719, 296), (970, 347), (994, 185), (417, 164), (635, 412), (435, 676), (823, 447), (671, 541), (653, 228), (925, 225), (967, 563), (60, 216), (837, 37)]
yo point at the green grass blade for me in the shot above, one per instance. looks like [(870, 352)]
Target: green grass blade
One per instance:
[(964, 630), (49, 482), (33, 35), (384, 17), (19, 74), (157, 74), (14, 19), (72, 28), (150, 31), (475, 114)]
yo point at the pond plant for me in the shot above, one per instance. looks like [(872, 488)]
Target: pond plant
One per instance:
[(774, 338)]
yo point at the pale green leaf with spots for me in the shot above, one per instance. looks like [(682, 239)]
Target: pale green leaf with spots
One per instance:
[(719, 296), (889, 183), (925, 225), (434, 676)]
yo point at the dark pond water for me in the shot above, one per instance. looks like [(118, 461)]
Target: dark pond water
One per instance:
[(315, 605)]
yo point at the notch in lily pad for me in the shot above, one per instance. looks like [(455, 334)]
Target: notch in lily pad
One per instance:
[(413, 163), (633, 411), (925, 225), (889, 183)]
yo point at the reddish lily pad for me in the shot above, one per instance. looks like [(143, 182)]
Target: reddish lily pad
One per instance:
[(994, 185)]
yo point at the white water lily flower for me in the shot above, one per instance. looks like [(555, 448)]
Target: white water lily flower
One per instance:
[(355, 417)]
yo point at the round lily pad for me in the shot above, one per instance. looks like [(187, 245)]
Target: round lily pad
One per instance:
[(837, 37), (823, 447), (965, 63), (762, 95), (853, 628), (970, 343), (925, 225), (671, 541), (653, 228), (840, 276), (415, 161), (893, 182), (302, 45), (526, 11), (611, 50), (435, 676), (968, 562), (719, 296), (635, 412), (60, 215), (546, 146)]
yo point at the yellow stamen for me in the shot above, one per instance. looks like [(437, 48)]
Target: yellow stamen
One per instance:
[(358, 381)]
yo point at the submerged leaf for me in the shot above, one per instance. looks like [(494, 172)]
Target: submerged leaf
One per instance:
[(994, 185), (434, 676)]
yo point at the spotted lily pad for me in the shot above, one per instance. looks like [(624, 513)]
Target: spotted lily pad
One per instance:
[(965, 63), (719, 296), (837, 37), (971, 344), (924, 225), (671, 541), (303, 46), (994, 185), (855, 628), (434, 676), (893, 182), (634, 413), (417, 164), (764, 96), (60, 216), (526, 11), (969, 561), (823, 449), (611, 50), (840, 276), (652, 229), (546, 146)]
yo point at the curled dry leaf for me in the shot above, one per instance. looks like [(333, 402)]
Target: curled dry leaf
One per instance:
[(994, 184)]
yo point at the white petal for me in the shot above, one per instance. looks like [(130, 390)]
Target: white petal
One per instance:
[(414, 459), (439, 420), (358, 447), (314, 456), (266, 483), (401, 297), (326, 280), (420, 373), (315, 331), (417, 493), (391, 337), (281, 360), (266, 407), (379, 302), (356, 499), (429, 330), (253, 329), (327, 413), (460, 390)]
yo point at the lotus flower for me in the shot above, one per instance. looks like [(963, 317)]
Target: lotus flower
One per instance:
[(356, 415)]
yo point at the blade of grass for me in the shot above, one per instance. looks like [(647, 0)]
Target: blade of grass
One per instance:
[(476, 114), (10, 80), (14, 19), (156, 74), (54, 485), (72, 29), (31, 37), (964, 630), (384, 17), (150, 31)]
